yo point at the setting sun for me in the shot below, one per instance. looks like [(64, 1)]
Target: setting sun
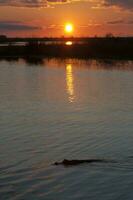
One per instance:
[(68, 28)]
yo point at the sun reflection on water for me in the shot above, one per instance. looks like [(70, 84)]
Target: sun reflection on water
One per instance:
[(68, 43), (70, 83)]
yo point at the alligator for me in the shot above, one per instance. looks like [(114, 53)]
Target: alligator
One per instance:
[(66, 162)]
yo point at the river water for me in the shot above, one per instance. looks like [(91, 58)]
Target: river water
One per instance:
[(55, 109)]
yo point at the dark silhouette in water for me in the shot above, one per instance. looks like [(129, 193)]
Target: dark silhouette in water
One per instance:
[(66, 162)]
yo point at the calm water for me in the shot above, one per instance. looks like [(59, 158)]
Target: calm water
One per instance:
[(56, 109)]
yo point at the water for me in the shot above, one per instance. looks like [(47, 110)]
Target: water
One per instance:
[(74, 109)]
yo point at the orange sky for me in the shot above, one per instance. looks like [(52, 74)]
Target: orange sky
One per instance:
[(43, 18)]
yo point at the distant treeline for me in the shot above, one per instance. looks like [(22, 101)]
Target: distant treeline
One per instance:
[(108, 47), (4, 38)]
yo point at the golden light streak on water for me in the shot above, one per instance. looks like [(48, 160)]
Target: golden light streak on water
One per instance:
[(70, 82)]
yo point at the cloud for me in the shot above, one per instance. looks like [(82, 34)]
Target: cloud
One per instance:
[(31, 3), (119, 22), (17, 26), (24, 3), (44, 3), (127, 4), (130, 22), (57, 1), (116, 22)]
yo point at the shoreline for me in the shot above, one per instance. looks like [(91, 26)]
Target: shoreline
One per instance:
[(93, 48)]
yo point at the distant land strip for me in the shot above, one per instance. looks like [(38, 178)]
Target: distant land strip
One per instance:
[(104, 48)]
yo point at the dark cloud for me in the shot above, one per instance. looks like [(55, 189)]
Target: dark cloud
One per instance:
[(41, 3), (128, 4), (30, 3), (119, 22), (24, 3), (57, 1), (16, 26), (116, 22)]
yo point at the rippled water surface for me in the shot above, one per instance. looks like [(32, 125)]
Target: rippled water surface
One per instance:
[(73, 109)]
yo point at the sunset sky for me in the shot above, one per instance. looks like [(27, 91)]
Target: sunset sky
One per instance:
[(47, 18)]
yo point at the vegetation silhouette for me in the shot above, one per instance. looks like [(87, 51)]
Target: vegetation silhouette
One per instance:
[(106, 48)]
